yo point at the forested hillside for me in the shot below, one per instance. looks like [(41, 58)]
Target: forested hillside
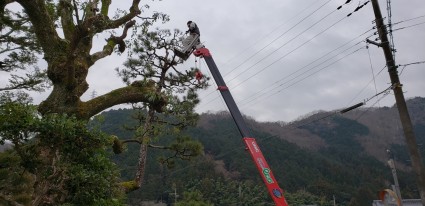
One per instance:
[(315, 159)]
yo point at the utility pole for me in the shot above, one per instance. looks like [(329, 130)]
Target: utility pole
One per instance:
[(409, 135), (396, 188)]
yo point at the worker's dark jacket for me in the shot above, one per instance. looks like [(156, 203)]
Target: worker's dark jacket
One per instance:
[(193, 29)]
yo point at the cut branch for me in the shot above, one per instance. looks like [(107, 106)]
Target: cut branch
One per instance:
[(111, 42)]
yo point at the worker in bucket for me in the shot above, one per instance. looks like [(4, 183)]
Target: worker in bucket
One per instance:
[(193, 38), (193, 32), (192, 41)]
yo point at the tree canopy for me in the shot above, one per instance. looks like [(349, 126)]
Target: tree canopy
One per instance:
[(66, 157)]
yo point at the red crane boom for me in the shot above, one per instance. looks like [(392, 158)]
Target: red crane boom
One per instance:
[(266, 173)]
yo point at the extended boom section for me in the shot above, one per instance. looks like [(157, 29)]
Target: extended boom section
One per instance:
[(274, 190)]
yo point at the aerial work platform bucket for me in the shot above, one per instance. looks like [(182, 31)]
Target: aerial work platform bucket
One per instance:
[(188, 45)]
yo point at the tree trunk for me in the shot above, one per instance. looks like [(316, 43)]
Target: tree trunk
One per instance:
[(141, 165), (49, 183)]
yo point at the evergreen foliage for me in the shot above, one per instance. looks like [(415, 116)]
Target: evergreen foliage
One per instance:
[(308, 177)]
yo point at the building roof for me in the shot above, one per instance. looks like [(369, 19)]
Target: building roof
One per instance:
[(406, 202)]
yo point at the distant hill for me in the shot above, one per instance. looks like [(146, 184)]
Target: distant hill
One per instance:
[(326, 153), (383, 125)]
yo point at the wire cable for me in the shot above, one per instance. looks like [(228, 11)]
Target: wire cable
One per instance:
[(359, 7), (377, 101), (299, 22), (264, 91), (291, 40), (406, 20), (371, 68), (361, 91), (409, 26), (405, 65), (234, 69), (286, 43), (305, 77)]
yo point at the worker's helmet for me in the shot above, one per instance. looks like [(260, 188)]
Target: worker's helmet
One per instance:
[(189, 22)]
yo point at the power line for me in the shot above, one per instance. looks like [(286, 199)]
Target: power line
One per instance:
[(371, 68), (377, 101), (299, 45), (234, 69), (286, 43), (305, 77), (299, 75), (299, 70), (405, 65), (247, 102), (406, 20), (253, 96), (361, 91), (299, 22), (409, 26), (290, 41), (359, 7)]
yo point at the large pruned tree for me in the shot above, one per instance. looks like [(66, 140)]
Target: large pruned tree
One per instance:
[(152, 61), (68, 161)]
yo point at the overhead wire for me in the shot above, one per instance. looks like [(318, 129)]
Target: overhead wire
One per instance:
[(306, 66), (361, 91), (377, 101), (244, 102), (264, 92), (409, 26), (405, 65), (293, 39), (371, 68), (333, 62), (406, 20), (277, 60), (298, 13), (279, 38), (274, 40), (357, 9), (411, 19), (305, 77), (278, 48)]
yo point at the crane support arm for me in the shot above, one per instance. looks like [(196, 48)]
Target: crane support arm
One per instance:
[(266, 174)]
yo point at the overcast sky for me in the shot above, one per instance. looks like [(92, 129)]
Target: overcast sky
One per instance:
[(284, 59)]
